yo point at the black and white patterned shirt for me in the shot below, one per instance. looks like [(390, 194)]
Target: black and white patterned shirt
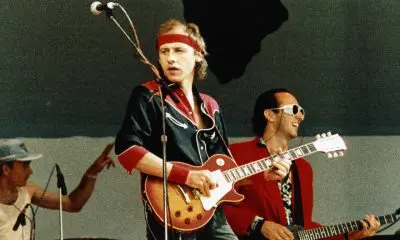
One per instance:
[(286, 192)]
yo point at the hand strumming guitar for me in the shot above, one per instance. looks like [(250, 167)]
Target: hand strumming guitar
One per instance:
[(202, 180)]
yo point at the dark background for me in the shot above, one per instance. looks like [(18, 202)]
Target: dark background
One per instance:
[(65, 72)]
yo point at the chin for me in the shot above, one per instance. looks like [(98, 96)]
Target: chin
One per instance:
[(293, 135), (174, 77)]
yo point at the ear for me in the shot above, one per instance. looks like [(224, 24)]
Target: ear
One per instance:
[(269, 115), (5, 169), (199, 57)]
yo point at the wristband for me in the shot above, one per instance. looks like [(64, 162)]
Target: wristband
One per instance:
[(90, 176), (257, 228), (178, 174), (254, 230)]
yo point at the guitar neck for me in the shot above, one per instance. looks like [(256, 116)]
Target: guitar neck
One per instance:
[(339, 229), (249, 169)]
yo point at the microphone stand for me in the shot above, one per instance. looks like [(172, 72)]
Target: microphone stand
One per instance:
[(62, 191), (165, 91), (61, 216)]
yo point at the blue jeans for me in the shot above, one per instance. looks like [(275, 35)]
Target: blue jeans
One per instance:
[(216, 229)]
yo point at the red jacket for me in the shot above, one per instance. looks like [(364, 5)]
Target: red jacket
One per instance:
[(263, 198)]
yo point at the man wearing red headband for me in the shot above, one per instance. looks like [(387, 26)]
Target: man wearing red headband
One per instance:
[(194, 126)]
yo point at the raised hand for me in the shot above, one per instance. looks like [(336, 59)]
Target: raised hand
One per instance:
[(104, 160)]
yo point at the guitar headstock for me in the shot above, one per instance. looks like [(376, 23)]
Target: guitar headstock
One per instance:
[(332, 145)]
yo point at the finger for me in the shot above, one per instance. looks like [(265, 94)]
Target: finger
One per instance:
[(210, 182), (282, 235), (107, 149), (280, 165), (286, 164), (280, 173), (373, 221), (365, 224), (289, 234), (110, 162), (281, 168), (205, 189)]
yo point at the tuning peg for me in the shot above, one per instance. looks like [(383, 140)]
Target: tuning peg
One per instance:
[(318, 136), (323, 135), (335, 155), (329, 134), (329, 155), (341, 154)]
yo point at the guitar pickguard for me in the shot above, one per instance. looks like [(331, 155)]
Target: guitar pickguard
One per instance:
[(217, 193)]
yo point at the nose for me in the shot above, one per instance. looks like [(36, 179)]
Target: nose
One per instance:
[(300, 116), (171, 58), (30, 171)]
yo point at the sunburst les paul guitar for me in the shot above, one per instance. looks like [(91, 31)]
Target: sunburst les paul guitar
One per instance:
[(189, 210)]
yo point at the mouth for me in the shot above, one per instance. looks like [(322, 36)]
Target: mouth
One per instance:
[(173, 69)]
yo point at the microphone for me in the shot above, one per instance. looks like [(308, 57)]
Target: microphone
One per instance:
[(97, 7), (21, 218), (60, 181)]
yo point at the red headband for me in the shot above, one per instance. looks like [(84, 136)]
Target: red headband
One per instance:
[(170, 38)]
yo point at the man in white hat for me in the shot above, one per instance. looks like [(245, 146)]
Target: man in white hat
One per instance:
[(16, 192)]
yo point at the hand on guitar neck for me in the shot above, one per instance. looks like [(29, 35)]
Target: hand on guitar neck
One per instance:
[(274, 231), (370, 226)]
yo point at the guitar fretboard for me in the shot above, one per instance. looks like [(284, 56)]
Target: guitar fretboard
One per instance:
[(339, 229), (249, 169)]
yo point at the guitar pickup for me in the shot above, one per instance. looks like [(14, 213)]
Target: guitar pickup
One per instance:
[(184, 194)]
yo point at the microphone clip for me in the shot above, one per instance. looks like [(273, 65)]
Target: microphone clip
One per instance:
[(60, 181), (97, 8)]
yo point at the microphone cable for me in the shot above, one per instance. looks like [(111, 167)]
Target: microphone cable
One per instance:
[(33, 223)]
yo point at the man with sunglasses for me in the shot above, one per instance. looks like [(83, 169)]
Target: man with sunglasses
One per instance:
[(282, 195)]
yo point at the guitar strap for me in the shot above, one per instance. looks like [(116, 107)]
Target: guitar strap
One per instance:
[(298, 206)]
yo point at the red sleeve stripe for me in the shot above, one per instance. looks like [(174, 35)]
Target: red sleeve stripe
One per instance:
[(131, 156)]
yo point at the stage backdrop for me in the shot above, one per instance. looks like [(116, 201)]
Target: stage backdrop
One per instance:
[(66, 77)]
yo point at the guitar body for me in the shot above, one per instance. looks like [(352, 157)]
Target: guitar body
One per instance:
[(190, 210)]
